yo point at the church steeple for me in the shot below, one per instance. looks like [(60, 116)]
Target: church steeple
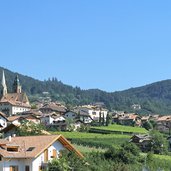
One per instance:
[(16, 85), (4, 86)]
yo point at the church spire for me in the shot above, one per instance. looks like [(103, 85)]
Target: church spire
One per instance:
[(4, 86), (16, 85)]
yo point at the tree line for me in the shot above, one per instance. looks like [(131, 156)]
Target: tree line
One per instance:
[(153, 98)]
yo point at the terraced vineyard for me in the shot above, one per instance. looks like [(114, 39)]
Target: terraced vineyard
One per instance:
[(94, 139), (106, 136), (88, 142), (157, 162)]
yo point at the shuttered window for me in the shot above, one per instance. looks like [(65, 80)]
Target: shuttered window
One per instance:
[(13, 168)]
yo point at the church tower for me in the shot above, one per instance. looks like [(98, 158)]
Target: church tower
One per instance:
[(4, 86), (16, 85)]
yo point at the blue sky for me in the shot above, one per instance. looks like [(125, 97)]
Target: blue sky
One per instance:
[(111, 45)]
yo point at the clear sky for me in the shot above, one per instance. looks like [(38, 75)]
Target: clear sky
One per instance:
[(111, 45)]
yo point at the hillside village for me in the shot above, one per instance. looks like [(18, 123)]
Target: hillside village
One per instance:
[(32, 153)]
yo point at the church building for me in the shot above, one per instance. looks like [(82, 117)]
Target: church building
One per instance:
[(15, 102)]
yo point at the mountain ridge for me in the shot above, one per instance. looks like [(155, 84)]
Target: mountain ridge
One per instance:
[(153, 98)]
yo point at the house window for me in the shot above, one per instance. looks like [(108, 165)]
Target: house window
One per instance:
[(54, 153), (13, 168), (46, 155), (27, 168), (30, 148), (12, 149), (94, 113)]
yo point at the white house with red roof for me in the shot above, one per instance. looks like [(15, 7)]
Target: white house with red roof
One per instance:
[(31, 153)]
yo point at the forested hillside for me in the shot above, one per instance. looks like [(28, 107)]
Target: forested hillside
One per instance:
[(153, 98)]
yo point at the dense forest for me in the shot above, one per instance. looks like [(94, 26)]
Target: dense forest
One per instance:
[(153, 98)]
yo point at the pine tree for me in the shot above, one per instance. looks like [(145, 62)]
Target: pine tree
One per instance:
[(103, 121), (107, 119), (100, 118)]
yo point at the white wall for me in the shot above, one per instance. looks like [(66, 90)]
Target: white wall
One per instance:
[(95, 114), (13, 109), (21, 163), (49, 120), (40, 159), (18, 109), (33, 163), (3, 122), (61, 118)]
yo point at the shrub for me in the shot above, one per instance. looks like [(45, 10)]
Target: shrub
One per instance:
[(128, 153)]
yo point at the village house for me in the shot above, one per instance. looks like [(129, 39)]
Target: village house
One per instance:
[(116, 115), (93, 111), (54, 120), (30, 117), (78, 119), (53, 107), (142, 141), (128, 119), (14, 120), (35, 112), (18, 118), (51, 118), (10, 130), (85, 118), (13, 103), (164, 123), (32, 153)]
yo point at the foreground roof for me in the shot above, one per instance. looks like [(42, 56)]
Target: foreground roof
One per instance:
[(37, 143)]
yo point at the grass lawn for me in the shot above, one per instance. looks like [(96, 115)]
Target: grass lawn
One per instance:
[(122, 128)]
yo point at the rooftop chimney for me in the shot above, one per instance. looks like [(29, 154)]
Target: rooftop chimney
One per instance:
[(9, 138), (13, 135)]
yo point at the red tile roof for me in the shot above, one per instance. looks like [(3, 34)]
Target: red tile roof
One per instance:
[(40, 143), (16, 99)]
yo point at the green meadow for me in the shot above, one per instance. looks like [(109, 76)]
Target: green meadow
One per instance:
[(121, 129)]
